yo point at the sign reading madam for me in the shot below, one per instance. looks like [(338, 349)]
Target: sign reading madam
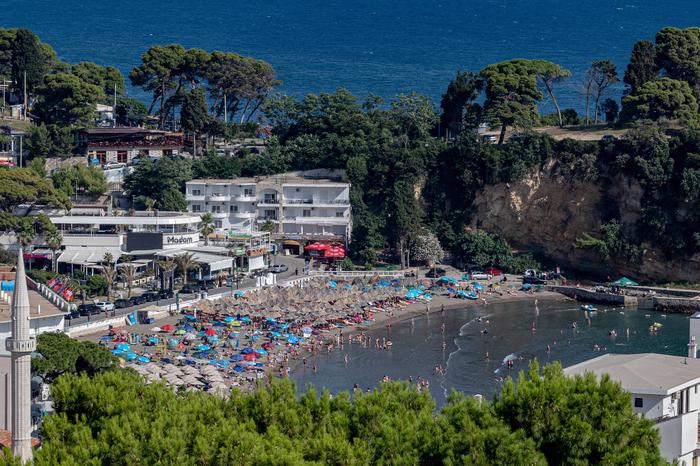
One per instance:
[(176, 240)]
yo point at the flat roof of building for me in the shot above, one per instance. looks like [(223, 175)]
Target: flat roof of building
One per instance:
[(124, 130), (644, 373), (291, 178), (139, 218)]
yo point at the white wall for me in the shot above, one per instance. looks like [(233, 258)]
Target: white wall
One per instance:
[(98, 240), (654, 406), (679, 435), (37, 325)]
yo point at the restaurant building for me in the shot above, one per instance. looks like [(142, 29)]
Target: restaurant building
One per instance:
[(123, 145)]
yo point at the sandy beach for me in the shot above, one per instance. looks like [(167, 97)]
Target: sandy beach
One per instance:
[(242, 342)]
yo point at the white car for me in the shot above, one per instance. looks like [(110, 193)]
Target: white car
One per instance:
[(105, 305), (480, 276)]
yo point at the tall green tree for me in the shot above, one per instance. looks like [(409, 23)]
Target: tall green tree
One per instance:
[(579, 420), (642, 67), (677, 52), (511, 94), (61, 354), (162, 180), (548, 76), (29, 56), (194, 116), (158, 71), (662, 98), (80, 178), (603, 75), (65, 99), (458, 103), (106, 78)]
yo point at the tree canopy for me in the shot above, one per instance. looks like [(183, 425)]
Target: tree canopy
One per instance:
[(662, 98), (642, 67), (65, 99), (511, 94), (59, 354)]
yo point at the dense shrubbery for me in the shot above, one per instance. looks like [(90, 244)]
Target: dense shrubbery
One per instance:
[(115, 418)]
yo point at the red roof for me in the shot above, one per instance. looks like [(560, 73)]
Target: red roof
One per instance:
[(6, 439)]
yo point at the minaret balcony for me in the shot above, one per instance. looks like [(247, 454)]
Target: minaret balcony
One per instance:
[(20, 346)]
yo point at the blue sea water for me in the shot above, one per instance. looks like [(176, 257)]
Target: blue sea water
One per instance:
[(504, 331), (367, 46)]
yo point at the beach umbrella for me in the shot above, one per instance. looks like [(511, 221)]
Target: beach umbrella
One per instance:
[(239, 369), (250, 357), (203, 347), (248, 350), (180, 331), (210, 331), (190, 336), (143, 359), (153, 340), (228, 319), (106, 338), (117, 352), (478, 286), (245, 319), (237, 357), (624, 281), (187, 327), (167, 328), (223, 363), (122, 346), (190, 317), (261, 351)]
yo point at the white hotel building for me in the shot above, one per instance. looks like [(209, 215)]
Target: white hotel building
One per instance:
[(304, 206), (664, 389)]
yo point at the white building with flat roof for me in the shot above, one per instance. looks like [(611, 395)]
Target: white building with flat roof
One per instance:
[(312, 205), (664, 389)]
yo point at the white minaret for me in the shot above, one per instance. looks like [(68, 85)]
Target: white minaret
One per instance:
[(20, 347)]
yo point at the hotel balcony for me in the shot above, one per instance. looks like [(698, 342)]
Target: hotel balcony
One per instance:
[(242, 198), (244, 214), (269, 203), (219, 214), (318, 220), (317, 202), (193, 198), (218, 198)]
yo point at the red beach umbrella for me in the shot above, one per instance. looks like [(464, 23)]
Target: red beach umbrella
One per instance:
[(210, 332), (251, 356), (167, 328)]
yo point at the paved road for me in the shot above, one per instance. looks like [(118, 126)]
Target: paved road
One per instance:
[(293, 263)]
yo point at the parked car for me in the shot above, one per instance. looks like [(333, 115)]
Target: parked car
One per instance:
[(190, 288), (479, 275), (73, 314), (150, 296), (88, 309), (105, 305), (436, 273), (136, 300), (122, 303), (166, 294), (493, 271), (277, 268), (205, 285)]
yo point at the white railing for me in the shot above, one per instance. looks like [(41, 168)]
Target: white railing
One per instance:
[(48, 294)]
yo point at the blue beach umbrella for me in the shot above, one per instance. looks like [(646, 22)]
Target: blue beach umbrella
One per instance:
[(143, 359), (105, 338), (228, 319), (478, 286), (247, 350), (117, 352), (239, 369), (122, 346), (223, 363), (190, 317), (261, 351), (245, 319), (130, 356), (237, 357), (153, 340), (203, 347)]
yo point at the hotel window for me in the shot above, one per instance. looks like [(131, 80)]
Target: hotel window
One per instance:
[(638, 402), (196, 208), (216, 209), (122, 156), (306, 213), (270, 198), (233, 208), (196, 192), (270, 214), (217, 223), (248, 192), (339, 214)]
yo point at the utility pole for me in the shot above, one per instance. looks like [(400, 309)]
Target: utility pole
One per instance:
[(25, 96), (114, 108)]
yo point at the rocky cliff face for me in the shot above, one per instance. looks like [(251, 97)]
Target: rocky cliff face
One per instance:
[(546, 212)]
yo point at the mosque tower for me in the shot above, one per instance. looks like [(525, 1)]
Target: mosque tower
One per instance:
[(20, 346)]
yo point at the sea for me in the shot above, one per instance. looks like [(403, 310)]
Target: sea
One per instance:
[(376, 47), (478, 341)]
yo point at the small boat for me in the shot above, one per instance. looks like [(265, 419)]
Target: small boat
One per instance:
[(588, 307)]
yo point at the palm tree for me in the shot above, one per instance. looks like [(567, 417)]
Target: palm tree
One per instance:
[(206, 227), (25, 232), (129, 273), (185, 262), (54, 239), (166, 266), (109, 273), (150, 204)]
